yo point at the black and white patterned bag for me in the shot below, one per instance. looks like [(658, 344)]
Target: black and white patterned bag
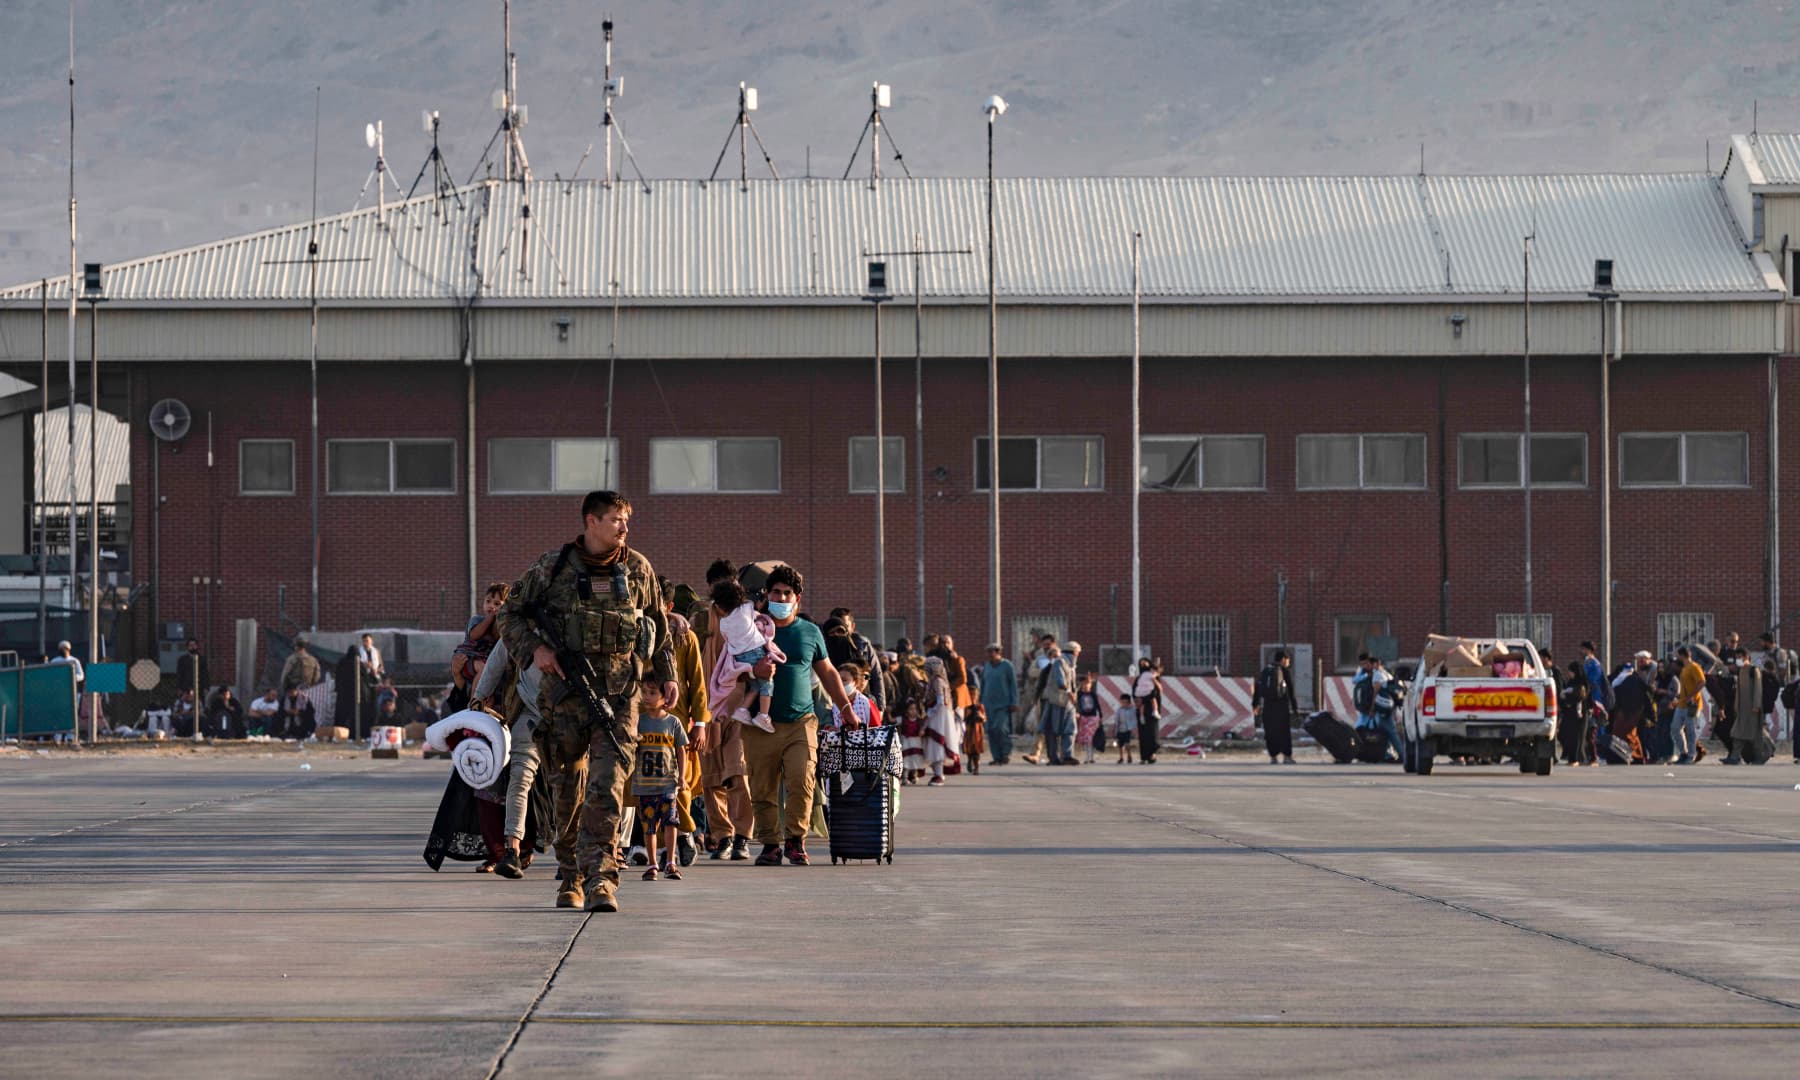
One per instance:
[(868, 750)]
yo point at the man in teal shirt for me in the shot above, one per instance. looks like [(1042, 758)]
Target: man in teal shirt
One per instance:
[(791, 751), (999, 697)]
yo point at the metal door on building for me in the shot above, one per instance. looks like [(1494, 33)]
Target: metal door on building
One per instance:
[(1027, 629)]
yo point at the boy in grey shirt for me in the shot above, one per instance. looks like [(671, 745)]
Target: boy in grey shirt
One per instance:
[(656, 780), (1124, 724)]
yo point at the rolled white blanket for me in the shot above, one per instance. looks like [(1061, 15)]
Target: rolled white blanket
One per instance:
[(480, 755)]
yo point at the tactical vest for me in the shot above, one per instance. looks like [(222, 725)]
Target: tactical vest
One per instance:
[(604, 621)]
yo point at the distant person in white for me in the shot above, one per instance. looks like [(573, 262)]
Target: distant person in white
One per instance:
[(65, 654), (370, 657)]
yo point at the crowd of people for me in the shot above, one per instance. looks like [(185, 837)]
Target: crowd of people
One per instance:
[(1657, 711), (719, 694)]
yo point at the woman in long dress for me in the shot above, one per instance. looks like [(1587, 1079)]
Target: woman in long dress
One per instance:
[(943, 730)]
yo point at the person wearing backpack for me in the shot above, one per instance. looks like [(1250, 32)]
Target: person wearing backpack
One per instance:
[(1362, 691)]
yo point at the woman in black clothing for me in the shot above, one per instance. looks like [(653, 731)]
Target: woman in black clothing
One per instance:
[(1147, 690), (1577, 713)]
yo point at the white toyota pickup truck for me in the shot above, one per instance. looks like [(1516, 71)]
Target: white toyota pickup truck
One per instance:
[(1480, 697)]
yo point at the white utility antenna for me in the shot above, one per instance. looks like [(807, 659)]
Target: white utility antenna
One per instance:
[(374, 138), (442, 185), (744, 128), (881, 96), (513, 116)]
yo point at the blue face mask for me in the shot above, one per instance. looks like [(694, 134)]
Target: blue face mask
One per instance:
[(779, 611)]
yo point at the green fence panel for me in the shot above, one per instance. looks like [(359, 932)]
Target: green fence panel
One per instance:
[(47, 699)]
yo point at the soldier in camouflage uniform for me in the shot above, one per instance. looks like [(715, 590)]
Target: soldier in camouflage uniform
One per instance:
[(604, 599)]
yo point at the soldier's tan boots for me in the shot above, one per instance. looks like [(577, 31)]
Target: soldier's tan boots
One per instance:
[(599, 897), (568, 893)]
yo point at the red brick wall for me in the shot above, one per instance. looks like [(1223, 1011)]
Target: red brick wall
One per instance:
[(404, 557)]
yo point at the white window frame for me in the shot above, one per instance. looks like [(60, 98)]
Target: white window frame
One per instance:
[(612, 462), (1681, 460), (981, 477), (391, 444), (1519, 485), (1200, 463), (271, 492), (1508, 623), (1675, 628), (715, 443), (1362, 456), (850, 464), (1212, 623)]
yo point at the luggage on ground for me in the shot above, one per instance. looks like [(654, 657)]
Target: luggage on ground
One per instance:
[(858, 774), (860, 817), (1372, 746), (1337, 737)]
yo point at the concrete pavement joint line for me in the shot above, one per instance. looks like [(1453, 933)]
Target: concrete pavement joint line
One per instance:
[(524, 1019), (1541, 804), (202, 805), (937, 1025), (1452, 905)]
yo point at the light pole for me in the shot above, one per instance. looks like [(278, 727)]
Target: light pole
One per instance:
[(1604, 292), (917, 253), (93, 288), (1525, 443), (878, 295), (995, 108)]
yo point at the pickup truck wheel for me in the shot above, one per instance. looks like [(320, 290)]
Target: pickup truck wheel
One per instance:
[(1423, 755), (1527, 762), (1408, 754), (1545, 760)]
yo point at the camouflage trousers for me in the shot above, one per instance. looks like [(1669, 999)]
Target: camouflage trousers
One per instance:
[(588, 779)]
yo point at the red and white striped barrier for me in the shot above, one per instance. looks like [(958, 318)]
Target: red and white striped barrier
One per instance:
[(1202, 707)]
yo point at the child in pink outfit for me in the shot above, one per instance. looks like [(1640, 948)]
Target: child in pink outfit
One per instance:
[(749, 639)]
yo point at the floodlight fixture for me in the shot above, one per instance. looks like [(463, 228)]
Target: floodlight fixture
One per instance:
[(746, 97), (1603, 275), (878, 282), (370, 134), (615, 86), (996, 106), (499, 101), (428, 119), (884, 96), (91, 284)]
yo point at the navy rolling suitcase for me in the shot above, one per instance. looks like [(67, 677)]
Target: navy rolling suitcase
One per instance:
[(858, 773), (1337, 737), (860, 817)]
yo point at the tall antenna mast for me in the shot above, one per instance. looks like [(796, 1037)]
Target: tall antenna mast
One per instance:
[(609, 91), (507, 71), (69, 578)]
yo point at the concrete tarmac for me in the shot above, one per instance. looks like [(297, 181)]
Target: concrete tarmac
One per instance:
[(232, 915)]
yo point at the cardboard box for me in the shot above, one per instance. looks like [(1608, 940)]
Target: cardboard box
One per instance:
[(415, 733), (334, 734)]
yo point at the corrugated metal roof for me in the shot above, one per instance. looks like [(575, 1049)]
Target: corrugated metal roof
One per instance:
[(112, 454), (1778, 156), (1303, 237), (1665, 234)]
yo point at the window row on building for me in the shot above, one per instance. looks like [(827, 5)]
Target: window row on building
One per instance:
[(1202, 642), (1069, 463)]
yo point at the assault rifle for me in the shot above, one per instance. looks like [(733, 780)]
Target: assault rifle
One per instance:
[(578, 672)]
